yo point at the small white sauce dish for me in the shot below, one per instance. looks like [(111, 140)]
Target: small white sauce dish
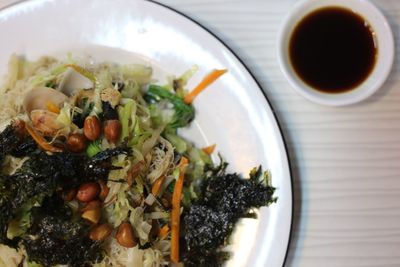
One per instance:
[(385, 51)]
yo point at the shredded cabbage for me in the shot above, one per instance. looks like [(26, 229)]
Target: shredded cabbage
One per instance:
[(150, 116), (127, 117), (136, 72)]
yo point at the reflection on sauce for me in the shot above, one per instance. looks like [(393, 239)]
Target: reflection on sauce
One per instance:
[(333, 50)]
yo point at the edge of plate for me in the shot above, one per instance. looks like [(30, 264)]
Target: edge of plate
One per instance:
[(269, 103), (17, 2)]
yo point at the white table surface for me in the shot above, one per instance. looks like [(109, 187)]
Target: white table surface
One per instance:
[(345, 161)]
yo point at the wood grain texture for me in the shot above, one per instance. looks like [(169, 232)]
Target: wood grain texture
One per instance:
[(345, 161)]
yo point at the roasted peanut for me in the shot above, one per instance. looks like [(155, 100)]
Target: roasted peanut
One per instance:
[(100, 232), (91, 128), (112, 130), (76, 142), (92, 216), (104, 190), (92, 205), (92, 211), (134, 172), (88, 192), (125, 236)]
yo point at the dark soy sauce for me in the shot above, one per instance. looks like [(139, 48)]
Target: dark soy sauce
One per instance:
[(333, 50)]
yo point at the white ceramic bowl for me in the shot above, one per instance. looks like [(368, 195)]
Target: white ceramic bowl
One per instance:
[(383, 65)]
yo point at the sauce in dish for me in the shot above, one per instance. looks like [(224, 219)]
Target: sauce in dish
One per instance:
[(333, 50)]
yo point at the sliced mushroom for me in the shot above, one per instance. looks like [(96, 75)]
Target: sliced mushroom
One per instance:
[(40, 97), (73, 81)]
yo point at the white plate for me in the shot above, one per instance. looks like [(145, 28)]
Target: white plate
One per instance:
[(233, 112)]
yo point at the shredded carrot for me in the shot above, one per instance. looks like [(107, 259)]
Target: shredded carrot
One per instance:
[(41, 141), (82, 71), (176, 211), (163, 231), (155, 189), (209, 79), (52, 107), (209, 149)]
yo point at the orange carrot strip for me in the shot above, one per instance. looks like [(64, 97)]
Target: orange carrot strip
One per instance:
[(155, 189), (41, 141), (209, 149), (176, 211), (209, 79), (52, 107), (163, 231)]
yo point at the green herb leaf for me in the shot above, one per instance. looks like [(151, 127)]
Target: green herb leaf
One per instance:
[(184, 113)]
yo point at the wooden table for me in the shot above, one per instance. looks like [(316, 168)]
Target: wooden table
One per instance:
[(346, 161)]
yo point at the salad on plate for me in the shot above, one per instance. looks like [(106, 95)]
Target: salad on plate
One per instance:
[(94, 171)]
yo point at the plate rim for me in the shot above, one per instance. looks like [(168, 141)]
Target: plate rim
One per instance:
[(235, 55)]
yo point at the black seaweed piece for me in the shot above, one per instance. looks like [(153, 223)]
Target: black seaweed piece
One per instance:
[(56, 238), (109, 113), (26, 148), (42, 174), (10, 138), (34, 179), (205, 258), (6, 210), (100, 165), (225, 198), (69, 170)]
